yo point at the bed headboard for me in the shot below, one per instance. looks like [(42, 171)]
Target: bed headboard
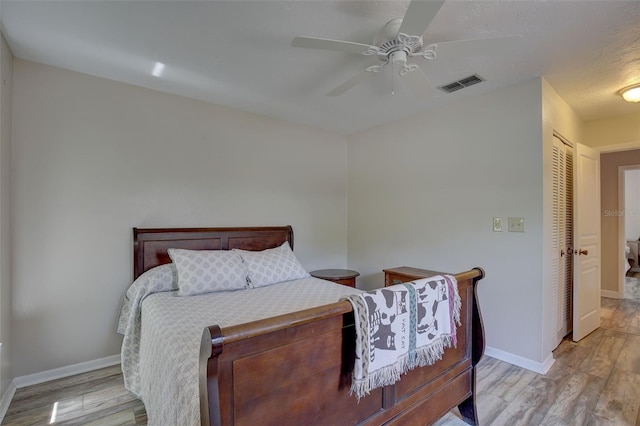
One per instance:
[(150, 245)]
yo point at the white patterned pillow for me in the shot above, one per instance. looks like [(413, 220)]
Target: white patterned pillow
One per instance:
[(205, 271), (272, 265)]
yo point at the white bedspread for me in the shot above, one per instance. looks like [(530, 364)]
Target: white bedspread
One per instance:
[(167, 341)]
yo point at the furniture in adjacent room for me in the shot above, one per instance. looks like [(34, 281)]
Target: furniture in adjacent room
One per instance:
[(341, 276), (632, 254), (295, 368)]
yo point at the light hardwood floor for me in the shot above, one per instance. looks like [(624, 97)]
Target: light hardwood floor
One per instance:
[(593, 382), (94, 398)]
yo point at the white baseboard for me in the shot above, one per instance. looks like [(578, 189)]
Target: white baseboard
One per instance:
[(610, 293), (6, 399), (536, 367), (70, 370)]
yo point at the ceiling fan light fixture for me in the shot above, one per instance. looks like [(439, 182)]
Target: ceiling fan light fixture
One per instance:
[(631, 93), (399, 57)]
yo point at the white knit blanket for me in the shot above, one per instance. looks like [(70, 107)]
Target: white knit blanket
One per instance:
[(402, 327)]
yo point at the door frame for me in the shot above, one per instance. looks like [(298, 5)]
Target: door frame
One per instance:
[(622, 237)]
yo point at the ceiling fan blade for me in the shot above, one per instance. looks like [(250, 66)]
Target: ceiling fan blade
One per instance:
[(477, 47), (350, 83), (419, 15), (325, 43), (418, 82)]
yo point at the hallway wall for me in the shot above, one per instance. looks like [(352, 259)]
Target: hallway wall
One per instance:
[(609, 163), (632, 204)]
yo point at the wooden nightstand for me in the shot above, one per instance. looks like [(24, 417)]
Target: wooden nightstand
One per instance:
[(403, 274), (341, 276)]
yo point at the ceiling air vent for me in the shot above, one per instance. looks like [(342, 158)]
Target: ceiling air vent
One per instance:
[(462, 83)]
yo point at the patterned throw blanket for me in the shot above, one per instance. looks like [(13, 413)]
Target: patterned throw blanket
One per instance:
[(402, 327)]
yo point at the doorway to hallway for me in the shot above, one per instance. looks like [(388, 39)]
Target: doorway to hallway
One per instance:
[(630, 230)]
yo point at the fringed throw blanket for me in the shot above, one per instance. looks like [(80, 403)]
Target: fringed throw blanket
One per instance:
[(402, 327)]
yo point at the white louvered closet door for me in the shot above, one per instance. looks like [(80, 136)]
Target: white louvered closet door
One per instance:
[(562, 267)]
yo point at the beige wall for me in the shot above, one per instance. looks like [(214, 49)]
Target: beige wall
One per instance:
[(423, 192), (622, 130), (6, 72), (610, 162), (93, 158)]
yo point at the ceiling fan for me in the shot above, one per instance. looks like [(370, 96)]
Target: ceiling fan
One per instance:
[(399, 40)]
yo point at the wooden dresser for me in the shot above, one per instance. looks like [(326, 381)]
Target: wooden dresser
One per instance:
[(340, 276), (403, 274)]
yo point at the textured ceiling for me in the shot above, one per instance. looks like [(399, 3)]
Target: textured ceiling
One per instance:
[(239, 54)]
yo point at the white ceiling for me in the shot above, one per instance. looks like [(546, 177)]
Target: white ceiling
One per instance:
[(239, 54)]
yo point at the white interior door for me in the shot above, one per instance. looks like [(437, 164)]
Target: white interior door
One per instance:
[(586, 241)]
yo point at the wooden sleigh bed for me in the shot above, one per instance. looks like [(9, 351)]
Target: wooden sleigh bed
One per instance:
[(293, 369)]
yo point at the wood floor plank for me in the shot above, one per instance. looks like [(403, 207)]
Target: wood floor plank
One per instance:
[(490, 407), (532, 404), (505, 381), (618, 322), (528, 408), (615, 333), (140, 414), (629, 359), (84, 418), (601, 360), (50, 411), (620, 399), (591, 339), (66, 382), (606, 312), (575, 402), (610, 303), (121, 418), (450, 419), (633, 326), (485, 367), (52, 394), (40, 418), (569, 354), (68, 408), (100, 400)]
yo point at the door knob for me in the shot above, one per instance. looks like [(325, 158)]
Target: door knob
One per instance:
[(581, 251)]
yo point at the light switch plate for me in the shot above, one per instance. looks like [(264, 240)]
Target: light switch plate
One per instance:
[(497, 224), (516, 224)]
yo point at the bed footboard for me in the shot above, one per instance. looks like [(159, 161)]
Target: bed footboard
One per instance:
[(290, 369)]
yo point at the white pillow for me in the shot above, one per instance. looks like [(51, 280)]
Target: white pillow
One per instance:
[(205, 271), (272, 265)]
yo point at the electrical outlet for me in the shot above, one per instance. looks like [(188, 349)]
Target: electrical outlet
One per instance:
[(497, 224), (516, 224)]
